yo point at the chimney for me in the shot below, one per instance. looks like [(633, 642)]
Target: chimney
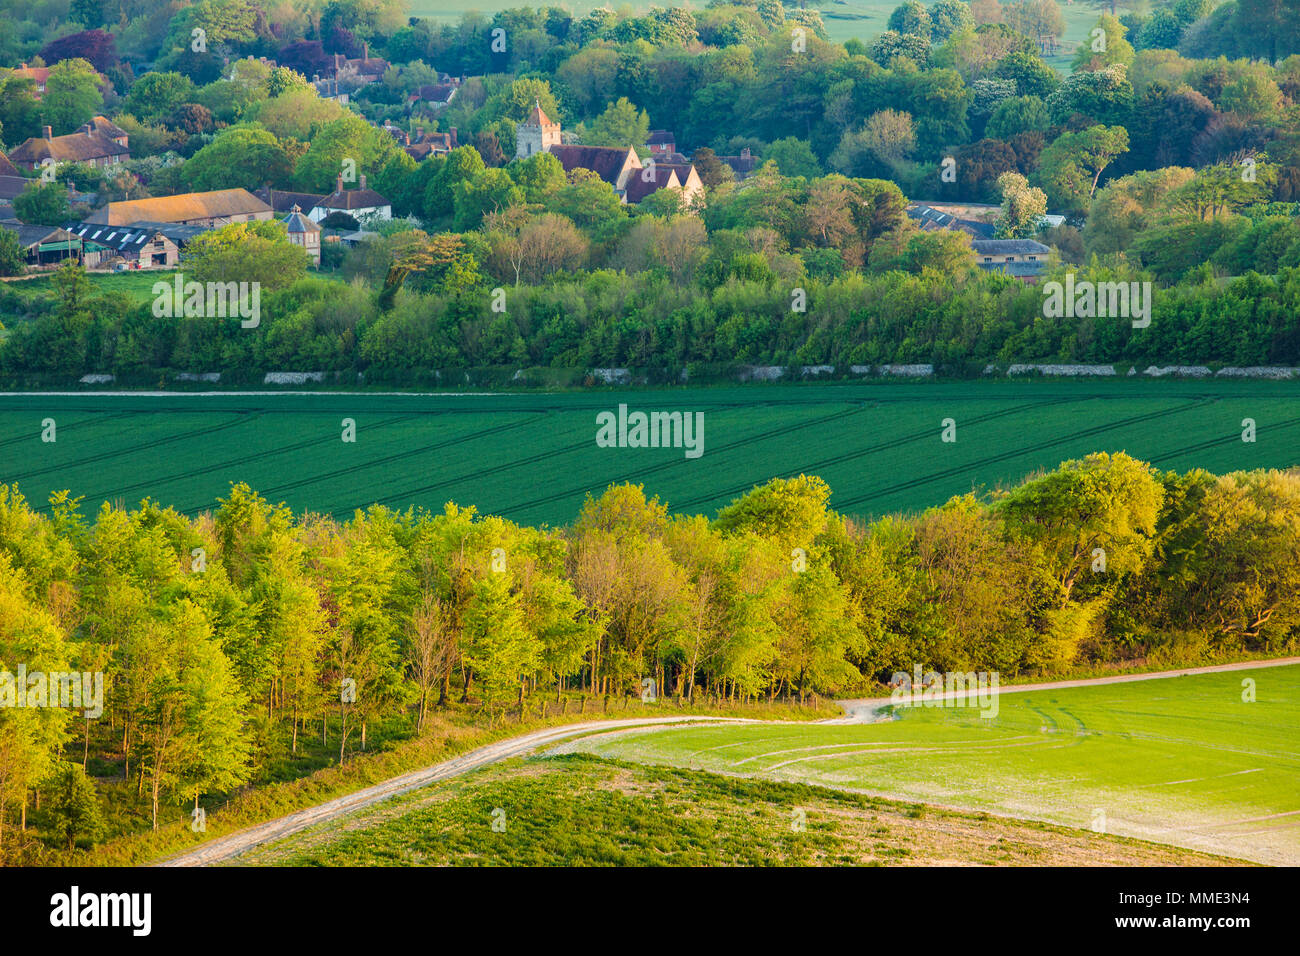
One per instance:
[(365, 49), (744, 152), (48, 132), (338, 185), (454, 141), (363, 180)]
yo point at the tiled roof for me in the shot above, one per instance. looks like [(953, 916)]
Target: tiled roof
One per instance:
[(122, 238), (219, 204), (13, 186), (683, 170), (296, 222), (72, 148), (282, 201), (605, 161), (661, 137), (538, 117), (352, 199), (174, 231), (741, 165), (929, 218), (7, 168), (435, 93), (1009, 247), (106, 127), (29, 236), (650, 179)]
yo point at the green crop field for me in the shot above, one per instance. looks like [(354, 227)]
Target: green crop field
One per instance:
[(532, 456), (1184, 760), (844, 19)]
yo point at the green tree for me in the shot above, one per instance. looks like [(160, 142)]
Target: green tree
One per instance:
[(1071, 167), (1104, 501), (43, 204), (72, 95), (239, 156), (620, 125), (74, 806)]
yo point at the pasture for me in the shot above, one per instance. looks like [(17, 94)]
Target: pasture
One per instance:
[(1184, 761), (532, 456), (575, 811), (844, 19)]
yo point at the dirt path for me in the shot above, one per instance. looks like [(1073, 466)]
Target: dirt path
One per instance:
[(865, 710), (237, 843), (858, 711)]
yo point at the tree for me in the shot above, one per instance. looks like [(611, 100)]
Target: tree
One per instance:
[(462, 164), (96, 47), (1023, 208), (1102, 501), (1071, 167), (1099, 97), (239, 156), (1036, 19), (540, 175), (72, 95), (620, 125), (489, 190), (44, 204), (1032, 76), (793, 157), (30, 736), (74, 806), (20, 112), (190, 718), (949, 17), (13, 258), (1019, 114), (255, 252), (711, 170), (1105, 46), (911, 17), (433, 649), (497, 645), (533, 247), (349, 138), (909, 46), (155, 96)]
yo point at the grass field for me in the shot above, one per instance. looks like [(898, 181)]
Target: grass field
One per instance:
[(532, 457), (844, 19), (575, 811), (1183, 761)]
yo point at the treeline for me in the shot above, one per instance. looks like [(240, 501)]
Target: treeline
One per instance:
[(247, 629), (647, 321)]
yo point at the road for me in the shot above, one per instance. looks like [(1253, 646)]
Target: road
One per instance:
[(862, 710)]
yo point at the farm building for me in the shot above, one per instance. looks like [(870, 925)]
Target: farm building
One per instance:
[(140, 247), (211, 209), (44, 245)]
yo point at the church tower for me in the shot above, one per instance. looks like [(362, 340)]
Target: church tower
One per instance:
[(537, 134)]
